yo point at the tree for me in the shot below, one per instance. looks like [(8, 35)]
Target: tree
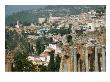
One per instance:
[(57, 63), (62, 31), (12, 39), (40, 46), (43, 68), (101, 10), (21, 63), (51, 65)]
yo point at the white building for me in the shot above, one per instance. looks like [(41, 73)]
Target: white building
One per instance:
[(90, 26), (100, 23), (41, 20), (17, 25)]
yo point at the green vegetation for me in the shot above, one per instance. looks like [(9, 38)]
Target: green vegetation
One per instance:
[(26, 17), (13, 41), (101, 10), (43, 68), (51, 66), (57, 63), (21, 63), (54, 63), (40, 46), (61, 31)]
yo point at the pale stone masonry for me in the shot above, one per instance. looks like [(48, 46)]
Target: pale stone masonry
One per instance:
[(75, 60), (96, 60), (103, 59), (86, 59)]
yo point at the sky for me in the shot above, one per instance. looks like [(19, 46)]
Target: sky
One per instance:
[(10, 9)]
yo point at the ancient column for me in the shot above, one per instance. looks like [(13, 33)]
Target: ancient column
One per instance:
[(103, 59), (72, 58), (96, 59), (75, 60), (61, 65), (65, 68), (86, 59), (83, 61)]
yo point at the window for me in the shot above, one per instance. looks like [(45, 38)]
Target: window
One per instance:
[(89, 27)]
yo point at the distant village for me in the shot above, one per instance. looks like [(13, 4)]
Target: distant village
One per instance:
[(81, 49)]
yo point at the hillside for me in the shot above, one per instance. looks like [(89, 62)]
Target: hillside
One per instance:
[(26, 17)]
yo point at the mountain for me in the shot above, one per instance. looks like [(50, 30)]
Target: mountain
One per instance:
[(28, 16), (10, 9)]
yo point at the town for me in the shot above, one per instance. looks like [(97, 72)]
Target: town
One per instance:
[(70, 43)]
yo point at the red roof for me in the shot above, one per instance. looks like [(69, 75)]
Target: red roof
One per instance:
[(46, 53)]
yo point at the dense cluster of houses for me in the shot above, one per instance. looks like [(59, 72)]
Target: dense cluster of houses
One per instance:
[(87, 22)]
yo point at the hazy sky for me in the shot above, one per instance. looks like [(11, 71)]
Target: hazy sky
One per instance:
[(9, 9)]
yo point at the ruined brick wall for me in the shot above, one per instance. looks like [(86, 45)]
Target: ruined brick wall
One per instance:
[(9, 59)]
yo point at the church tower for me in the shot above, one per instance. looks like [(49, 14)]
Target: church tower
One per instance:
[(17, 24), (50, 17)]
